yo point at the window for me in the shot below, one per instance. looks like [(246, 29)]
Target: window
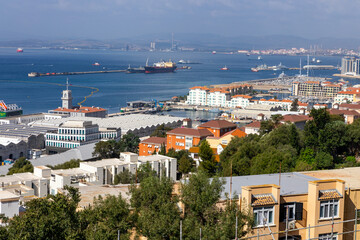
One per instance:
[(328, 209), (295, 210), (263, 216), (327, 236)]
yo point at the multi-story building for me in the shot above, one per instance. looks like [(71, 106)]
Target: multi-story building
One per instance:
[(184, 138), (151, 145), (284, 104), (72, 134), (315, 89), (349, 95), (218, 127), (198, 96), (241, 101), (218, 98), (350, 66)]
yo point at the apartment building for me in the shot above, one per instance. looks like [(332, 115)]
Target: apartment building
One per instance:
[(349, 95), (184, 138), (218, 127), (284, 104), (218, 98), (241, 101), (350, 66), (315, 89), (151, 145), (198, 96), (288, 203)]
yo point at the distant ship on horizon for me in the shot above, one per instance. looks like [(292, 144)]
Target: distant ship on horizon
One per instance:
[(19, 50)]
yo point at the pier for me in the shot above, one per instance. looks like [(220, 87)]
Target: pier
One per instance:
[(36, 74)]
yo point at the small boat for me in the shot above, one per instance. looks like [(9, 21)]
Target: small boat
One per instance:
[(248, 54), (224, 68), (96, 64), (318, 61), (254, 69), (259, 58), (213, 52), (182, 61), (20, 50)]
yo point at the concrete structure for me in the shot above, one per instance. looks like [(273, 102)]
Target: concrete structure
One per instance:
[(9, 204), (350, 66), (284, 104), (315, 89), (73, 134), (240, 101), (150, 145), (26, 119), (104, 171)]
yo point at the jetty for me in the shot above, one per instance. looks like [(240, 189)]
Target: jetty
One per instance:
[(37, 74)]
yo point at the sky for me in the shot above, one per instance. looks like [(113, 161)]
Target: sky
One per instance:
[(113, 19)]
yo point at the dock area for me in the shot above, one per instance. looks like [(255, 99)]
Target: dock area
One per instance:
[(36, 74), (345, 76)]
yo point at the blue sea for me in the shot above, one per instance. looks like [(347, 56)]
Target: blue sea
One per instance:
[(115, 89)]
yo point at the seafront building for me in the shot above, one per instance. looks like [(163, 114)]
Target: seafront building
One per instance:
[(350, 66), (316, 89)]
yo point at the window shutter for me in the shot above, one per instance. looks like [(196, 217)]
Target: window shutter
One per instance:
[(282, 213), (298, 211)]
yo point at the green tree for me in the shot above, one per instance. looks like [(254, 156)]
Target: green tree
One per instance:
[(106, 217), (21, 165), (324, 160), (186, 164), (106, 149), (54, 217), (73, 163), (162, 150), (320, 117), (160, 131), (266, 127), (295, 105), (125, 177), (155, 209), (129, 143), (206, 155)]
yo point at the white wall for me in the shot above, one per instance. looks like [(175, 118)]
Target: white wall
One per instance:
[(10, 208)]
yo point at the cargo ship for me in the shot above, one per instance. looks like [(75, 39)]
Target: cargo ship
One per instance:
[(9, 110), (135, 70), (161, 67)]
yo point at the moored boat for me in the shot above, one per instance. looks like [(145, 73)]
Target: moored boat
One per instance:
[(161, 67)]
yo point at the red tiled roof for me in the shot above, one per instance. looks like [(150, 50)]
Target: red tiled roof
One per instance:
[(81, 109), (343, 112), (218, 124), (155, 140), (190, 132), (295, 118), (350, 106), (199, 87), (254, 124)]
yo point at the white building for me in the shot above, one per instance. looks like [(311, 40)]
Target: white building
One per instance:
[(218, 98), (104, 171), (240, 101), (284, 104), (73, 134), (9, 204), (197, 96)]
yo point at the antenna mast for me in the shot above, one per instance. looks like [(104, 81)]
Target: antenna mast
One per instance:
[(67, 83)]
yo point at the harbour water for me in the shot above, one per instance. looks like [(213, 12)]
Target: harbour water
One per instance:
[(115, 89)]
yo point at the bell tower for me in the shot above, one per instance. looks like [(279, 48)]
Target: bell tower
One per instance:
[(67, 97)]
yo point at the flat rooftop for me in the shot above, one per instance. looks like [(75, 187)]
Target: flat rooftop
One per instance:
[(152, 158), (7, 195), (69, 172), (104, 162), (351, 175), (290, 183)]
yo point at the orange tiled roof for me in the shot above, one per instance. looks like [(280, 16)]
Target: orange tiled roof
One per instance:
[(199, 87), (262, 199), (236, 133), (155, 140), (190, 132), (286, 100), (242, 96), (313, 82), (329, 194)]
